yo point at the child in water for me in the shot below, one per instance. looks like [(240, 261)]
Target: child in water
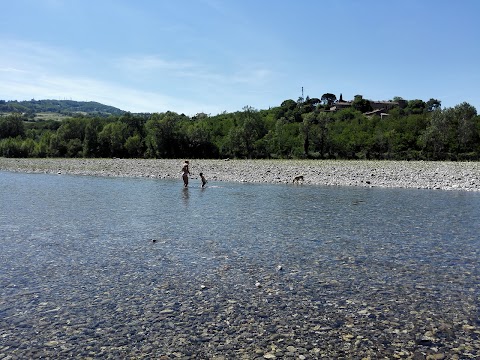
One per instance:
[(204, 181)]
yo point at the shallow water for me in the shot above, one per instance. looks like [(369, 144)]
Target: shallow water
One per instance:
[(124, 267)]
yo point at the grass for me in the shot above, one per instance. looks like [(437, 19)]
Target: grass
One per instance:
[(50, 116)]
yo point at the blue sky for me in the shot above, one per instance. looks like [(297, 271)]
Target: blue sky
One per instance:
[(211, 56)]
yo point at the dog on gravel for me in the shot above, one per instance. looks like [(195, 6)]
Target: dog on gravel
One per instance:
[(297, 179)]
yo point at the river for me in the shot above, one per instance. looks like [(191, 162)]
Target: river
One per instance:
[(143, 268)]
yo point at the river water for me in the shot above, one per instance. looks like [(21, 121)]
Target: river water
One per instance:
[(143, 268)]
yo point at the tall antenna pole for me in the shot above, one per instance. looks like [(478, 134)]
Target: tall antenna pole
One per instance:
[(302, 92)]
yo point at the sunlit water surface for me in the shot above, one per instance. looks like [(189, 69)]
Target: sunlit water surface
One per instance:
[(79, 254)]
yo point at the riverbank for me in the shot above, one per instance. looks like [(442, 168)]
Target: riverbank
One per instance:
[(394, 174)]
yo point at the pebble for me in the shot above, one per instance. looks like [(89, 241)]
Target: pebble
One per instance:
[(367, 173)]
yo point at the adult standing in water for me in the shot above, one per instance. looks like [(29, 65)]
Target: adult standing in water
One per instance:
[(185, 173)]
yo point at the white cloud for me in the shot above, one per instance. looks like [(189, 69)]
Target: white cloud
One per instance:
[(151, 63), (87, 89), (32, 71), (11, 70), (137, 83), (157, 67)]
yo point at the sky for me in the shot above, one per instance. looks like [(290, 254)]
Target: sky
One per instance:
[(211, 56)]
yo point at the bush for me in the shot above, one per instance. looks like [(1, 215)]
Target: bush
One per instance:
[(16, 147)]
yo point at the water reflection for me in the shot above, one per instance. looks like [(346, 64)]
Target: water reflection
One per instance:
[(185, 196)]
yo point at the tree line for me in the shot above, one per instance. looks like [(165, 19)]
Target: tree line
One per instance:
[(296, 129)]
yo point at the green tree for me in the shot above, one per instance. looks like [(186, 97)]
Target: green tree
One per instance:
[(17, 147), (290, 110), (11, 147), (468, 136), (55, 146), (451, 133), (309, 120), (243, 139), (163, 140), (72, 128), (112, 139), (11, 126), (218, 128), (135, 123), (134, 146), (200, 141), (415, 107), (362, 105), (313, 101), (350, 139), (320, 135), (328, 99), (69, 134), (288, 104), (91, 144), (432, 104), (74, 148), (285, 140), (440, 138), (42, 148)]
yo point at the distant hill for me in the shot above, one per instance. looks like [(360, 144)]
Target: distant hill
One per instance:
[(64, 107)]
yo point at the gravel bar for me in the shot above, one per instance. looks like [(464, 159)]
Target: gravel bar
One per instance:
[(463, 176)]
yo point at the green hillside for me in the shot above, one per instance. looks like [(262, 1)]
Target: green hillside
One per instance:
[(61, 108)]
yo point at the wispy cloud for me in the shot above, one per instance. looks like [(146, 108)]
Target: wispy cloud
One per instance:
[(30, 70), (33, 56), (137, 83), (156, 66), (88, 89), (11, 70), (151, 63)]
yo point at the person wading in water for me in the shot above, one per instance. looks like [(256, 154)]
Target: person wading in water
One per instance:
[(185, 173)]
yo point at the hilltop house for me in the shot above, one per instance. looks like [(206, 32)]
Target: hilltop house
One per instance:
[(380, 108)]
